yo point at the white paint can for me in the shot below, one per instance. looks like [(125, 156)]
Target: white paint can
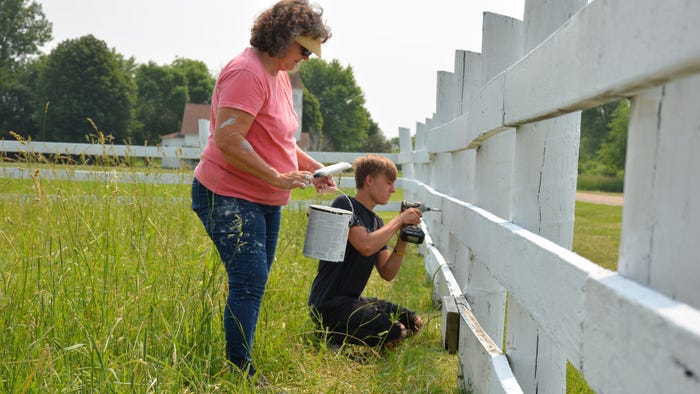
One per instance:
[(327, 233)]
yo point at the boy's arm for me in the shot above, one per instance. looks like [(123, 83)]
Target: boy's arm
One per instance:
[(369, 243), (388, 262)]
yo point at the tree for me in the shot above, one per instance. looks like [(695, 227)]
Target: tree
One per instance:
[(376, 142), (312, 121), (345, 120), (200, 83), (162, 95), (594, 129), (23, 29), (19, 100), (613, 150), (85, 86)]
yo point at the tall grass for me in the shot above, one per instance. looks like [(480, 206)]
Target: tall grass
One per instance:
[(108, 287)]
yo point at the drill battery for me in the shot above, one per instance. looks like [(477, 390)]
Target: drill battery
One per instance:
[(413, 234)]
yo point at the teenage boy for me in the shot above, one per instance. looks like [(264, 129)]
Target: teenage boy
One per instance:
[(336, 293)]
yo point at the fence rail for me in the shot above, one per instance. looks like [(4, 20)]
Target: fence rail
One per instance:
[(77, 149)]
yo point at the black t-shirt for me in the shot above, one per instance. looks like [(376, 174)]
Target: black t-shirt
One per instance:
[(349, 277)]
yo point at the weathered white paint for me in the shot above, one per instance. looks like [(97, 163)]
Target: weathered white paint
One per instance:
[(406, 151), (484, 367), (637, 340), (463, 175), (513, 147), (610, 49), (543, 202), (659, 245)]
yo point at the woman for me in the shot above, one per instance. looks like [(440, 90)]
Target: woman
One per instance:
[(252, 161)]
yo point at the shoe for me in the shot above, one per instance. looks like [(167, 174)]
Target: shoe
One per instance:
[(259, 380)]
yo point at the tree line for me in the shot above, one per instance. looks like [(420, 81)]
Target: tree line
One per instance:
[(83, 86), (603, 145)]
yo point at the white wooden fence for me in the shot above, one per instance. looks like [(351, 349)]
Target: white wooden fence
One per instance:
[(500, 158)]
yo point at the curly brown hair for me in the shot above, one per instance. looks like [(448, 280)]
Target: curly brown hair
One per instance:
[(275, 28)]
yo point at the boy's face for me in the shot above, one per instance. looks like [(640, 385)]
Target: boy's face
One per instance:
[(380, 188)]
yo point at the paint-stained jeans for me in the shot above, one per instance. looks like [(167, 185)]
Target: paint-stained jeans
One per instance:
[(245, 234)]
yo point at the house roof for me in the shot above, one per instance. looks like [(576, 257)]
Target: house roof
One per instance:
[(190, 120), (191, 116)]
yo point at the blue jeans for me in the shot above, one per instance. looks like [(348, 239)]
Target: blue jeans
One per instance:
[(245, 234)]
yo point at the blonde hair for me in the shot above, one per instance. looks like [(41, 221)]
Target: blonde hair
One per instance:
[(372, 165)]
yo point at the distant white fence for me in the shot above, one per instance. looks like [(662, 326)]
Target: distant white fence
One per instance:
[(35, 149), (500, 158), (172, 155), (77, 149)]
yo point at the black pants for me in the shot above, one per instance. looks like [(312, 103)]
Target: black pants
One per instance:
[(365, 321)]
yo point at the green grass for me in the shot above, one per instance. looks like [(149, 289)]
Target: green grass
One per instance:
[(108, 287), (600, 183), (597, 233)]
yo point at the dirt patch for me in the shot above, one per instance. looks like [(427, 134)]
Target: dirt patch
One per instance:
[(595, 198)]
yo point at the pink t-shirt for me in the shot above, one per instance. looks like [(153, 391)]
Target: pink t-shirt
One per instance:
[(245, 84)]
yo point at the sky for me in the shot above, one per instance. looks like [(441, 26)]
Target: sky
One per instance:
[(395, 48)]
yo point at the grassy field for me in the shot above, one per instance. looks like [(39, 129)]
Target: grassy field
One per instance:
[(597, 233), (108, 287), (116, 288)]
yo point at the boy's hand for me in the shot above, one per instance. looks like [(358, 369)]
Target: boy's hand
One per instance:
[(410, 217), (324, 184)]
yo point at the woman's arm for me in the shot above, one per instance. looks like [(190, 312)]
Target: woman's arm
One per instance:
[(306, 162), (232, 126)]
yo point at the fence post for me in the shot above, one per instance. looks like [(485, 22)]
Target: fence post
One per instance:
[(659, 246), (543, 201), (406, 152), (494, 165), (501, 48), (203, 133)]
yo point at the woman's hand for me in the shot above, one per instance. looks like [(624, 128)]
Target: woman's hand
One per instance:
[(294, 179)]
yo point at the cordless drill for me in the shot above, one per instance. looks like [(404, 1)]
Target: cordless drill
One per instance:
[(413, 234)]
